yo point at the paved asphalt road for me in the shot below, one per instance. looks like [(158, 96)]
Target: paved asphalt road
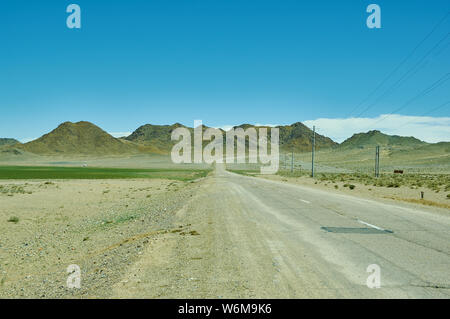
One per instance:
[(320, 244)]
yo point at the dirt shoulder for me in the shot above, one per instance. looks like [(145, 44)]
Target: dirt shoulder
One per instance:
[(221, 256), (195, 260)]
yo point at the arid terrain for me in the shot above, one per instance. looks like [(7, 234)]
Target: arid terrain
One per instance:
[(220, 236), (101, 225), (140, 226), (223, 155)]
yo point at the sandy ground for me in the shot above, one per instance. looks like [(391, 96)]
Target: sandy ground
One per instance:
[(100, 225)]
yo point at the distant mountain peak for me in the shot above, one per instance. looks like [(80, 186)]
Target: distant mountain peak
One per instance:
[(8, 141), (376, 137), (78, 138)]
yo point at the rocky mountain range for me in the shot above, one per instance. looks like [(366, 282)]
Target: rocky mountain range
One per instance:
[(85, 138)]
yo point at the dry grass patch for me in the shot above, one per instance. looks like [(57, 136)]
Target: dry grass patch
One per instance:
[(420, 201)]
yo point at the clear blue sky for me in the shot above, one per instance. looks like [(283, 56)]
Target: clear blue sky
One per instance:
[(222, 61)]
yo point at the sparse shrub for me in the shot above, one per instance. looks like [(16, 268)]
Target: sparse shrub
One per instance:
[(335, 186), (448, 196), (352, 186), (393, 184), (13, 219), (12, 189)]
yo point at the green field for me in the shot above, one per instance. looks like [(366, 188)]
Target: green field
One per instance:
[(52, 172)]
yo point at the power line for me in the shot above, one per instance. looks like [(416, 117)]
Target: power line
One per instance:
[(436, 108), (401, 63), (432, 87), (442, 49), (424, 114), (405, 76)]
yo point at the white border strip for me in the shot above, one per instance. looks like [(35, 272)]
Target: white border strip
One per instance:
[(370, 225)]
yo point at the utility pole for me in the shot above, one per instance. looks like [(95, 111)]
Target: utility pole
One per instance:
[(313, 150), (377, 161), (292, 160)]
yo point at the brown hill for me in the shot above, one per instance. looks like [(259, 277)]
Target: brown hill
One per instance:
[(8, 141), (82, 138), (374, 138), (158, 137), (296, 135), (299, 137)]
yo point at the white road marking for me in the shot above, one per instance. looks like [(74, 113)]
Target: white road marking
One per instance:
[(305, 201), (370, 225)]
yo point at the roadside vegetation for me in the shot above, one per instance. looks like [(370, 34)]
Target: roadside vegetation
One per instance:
[(13, 219), (13, 189), (434, 182)]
